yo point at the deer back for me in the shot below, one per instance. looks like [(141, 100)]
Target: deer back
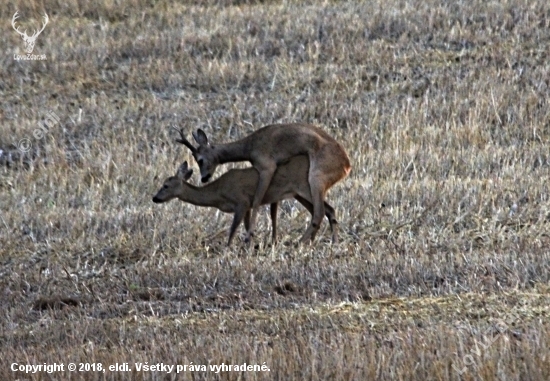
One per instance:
[(238, 185)]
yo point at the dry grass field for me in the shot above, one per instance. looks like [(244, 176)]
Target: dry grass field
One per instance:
[(442, 271)]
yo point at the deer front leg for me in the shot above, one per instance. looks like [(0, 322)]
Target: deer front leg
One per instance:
[(247, 220), (266, 172), (237, 218), (248, 236), (273, 212)]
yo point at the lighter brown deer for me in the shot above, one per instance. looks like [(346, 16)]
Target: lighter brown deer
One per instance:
[(268, 148), (233, 192)]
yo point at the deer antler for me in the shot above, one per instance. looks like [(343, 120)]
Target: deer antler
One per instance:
[(183, 140), (46, 19), (15, 17), (24, 34)]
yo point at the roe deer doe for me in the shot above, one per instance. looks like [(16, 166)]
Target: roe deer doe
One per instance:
[(272, 146), (233, 192)]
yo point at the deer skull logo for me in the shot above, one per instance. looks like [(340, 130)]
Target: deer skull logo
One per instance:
[(29, 40)]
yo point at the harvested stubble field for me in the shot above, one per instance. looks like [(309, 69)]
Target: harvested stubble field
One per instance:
[(442, 270)]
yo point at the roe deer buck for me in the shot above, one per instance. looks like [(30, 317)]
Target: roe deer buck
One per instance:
[(271, 146), (234, 191)]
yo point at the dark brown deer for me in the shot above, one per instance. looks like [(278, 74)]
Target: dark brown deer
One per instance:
[(233, 192), (268, 148)]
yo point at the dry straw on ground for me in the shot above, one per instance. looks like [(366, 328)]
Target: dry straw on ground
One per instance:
[(442, 272)]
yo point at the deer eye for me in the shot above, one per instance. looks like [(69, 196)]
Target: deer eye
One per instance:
[(165, 186), (200, 162)]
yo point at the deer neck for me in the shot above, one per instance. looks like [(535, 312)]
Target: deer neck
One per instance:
[(207, 195), (234, 151)]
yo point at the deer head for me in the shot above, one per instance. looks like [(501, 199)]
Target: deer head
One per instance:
[(29, 40), (204, 154), (172, 186)]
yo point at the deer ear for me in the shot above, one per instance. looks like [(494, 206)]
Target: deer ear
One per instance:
[(200, 137), (182, 171), (188, 175)]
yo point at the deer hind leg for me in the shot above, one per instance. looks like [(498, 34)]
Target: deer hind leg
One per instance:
[(315, 179), (329, 213), (329, 165)]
